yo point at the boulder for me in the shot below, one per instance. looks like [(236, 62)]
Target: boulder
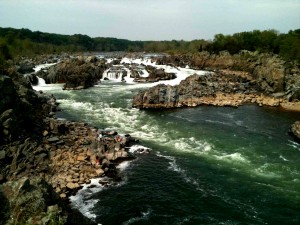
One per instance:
[(76, 73), (17, 97), (2, 154), (8, 94), (32, 78), (53, 139), (25, 66), (72, 185), (154, 75), (81, 158), (99, 172), (295, 130)]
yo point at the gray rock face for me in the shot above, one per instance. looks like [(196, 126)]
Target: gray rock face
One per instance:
[(273, 75), (21, 108), (75, 73), (155, 75), (32, 78), (190, 90), (8, 93), (25, 66)]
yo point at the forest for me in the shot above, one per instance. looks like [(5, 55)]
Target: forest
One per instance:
[(24, 42)]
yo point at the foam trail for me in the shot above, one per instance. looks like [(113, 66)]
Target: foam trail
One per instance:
[(83, 201), (144, 217), (284, 159), (43, 66)]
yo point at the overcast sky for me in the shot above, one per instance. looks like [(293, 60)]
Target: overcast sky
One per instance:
[(150, 19)]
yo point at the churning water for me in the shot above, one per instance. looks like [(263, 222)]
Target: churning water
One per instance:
[(208, 165)]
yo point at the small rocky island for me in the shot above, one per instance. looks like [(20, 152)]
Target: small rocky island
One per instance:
[(233, 80)]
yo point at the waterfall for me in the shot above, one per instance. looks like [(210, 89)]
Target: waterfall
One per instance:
[(116, 73), (41, 81)]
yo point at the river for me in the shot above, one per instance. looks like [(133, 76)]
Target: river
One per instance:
[(208, 165)]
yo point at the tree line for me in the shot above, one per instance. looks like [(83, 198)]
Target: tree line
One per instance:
[(24, 42)]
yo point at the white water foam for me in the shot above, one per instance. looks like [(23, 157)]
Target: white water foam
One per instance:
[(123, 165), (237, 157), (43, 66), (83, 201), (86, 106), (294, 145), (266, 171), (191, 145), (284, 159), (41, 81), (181, 73), (144, 217), (42, 86), (139, 149), (173, 166)]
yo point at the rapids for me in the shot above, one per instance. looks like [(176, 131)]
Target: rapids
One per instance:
[(208, 165)]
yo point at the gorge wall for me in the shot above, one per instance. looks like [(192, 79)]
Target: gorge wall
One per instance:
[(272, 74)]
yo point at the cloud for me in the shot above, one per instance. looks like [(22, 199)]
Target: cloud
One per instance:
[(150, 19)]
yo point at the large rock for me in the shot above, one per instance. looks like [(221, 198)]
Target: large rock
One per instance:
[(32, 78), (273, 75), (155, 75), (8, 93), (25, 66), (195, 90), (21, 108), (295, 129), (76, 73)]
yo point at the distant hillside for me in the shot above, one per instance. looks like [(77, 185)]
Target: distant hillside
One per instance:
[(17, 42)]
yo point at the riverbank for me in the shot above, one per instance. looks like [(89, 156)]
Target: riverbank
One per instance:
[(66, 158), (45, 160), (232, 88)]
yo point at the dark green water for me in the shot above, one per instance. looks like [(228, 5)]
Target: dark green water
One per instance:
[(208, 165)]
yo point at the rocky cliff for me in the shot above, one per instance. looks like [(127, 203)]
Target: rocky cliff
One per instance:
[(223, 88), (272, 74), (22, 110)]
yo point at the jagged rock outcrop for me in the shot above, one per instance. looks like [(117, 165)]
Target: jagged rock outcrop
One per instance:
[(273, 75), (76, 73), (25, 66), (155, 75), (30, 201), (32, 78), (65, 155), (21, 108), (221, 89)]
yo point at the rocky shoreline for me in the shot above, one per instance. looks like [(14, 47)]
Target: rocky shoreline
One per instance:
[(64, 159), (218, 89), (44, 160)]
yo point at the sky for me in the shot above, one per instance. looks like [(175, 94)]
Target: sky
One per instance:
[(151, 19)]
